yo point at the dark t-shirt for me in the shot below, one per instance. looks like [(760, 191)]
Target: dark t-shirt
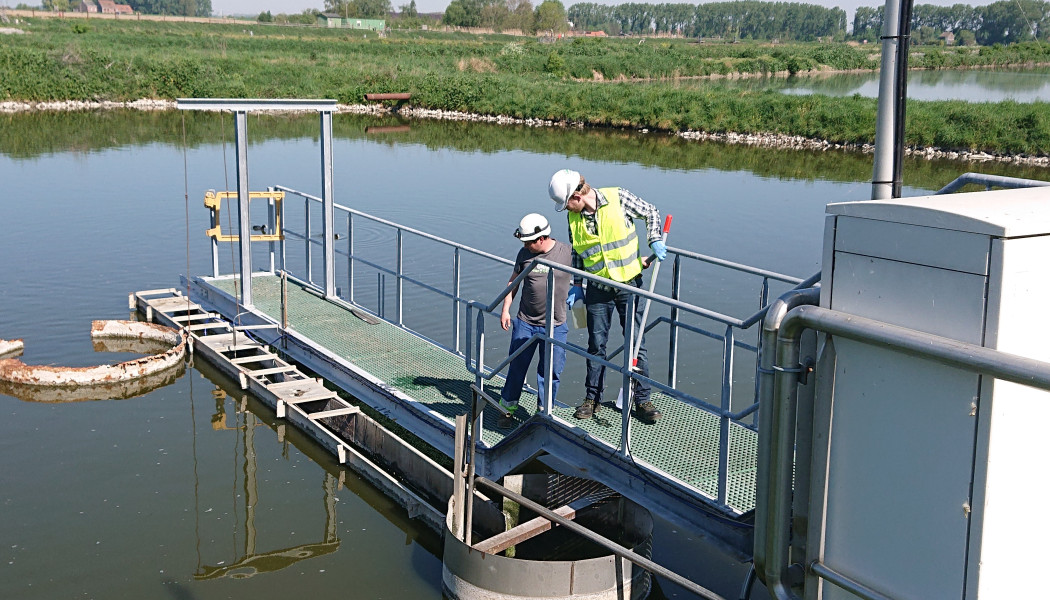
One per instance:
[(532, 307)]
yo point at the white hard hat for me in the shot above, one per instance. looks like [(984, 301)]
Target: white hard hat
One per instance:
[(563, 185), (531, 227)]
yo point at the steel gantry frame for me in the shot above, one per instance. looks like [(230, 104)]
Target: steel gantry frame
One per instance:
[(240, 108)]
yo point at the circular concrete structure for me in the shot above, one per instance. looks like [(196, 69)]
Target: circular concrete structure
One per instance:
[(559, 563)]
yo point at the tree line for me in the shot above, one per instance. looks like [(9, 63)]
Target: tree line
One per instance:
[(742, 19), (501, 15), (180, 8), (1003, 22)]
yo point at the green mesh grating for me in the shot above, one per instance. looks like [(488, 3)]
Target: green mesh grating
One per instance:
[(420, 370), (683, 444)]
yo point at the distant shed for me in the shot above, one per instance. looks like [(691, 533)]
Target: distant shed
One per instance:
[(329, 20), (109, 7), (334, 20)]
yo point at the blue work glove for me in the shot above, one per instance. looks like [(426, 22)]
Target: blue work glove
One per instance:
[(575, 293), (659, 249)]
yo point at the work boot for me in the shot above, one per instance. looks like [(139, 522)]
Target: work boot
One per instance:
[(647, 412), (587, 409), (506, 422)]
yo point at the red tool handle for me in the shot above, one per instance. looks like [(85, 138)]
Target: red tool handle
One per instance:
[(667, 224)]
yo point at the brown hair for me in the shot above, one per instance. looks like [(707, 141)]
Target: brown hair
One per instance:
[(583, 187)]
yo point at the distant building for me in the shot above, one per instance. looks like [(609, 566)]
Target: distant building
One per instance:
[(334, 20), (106, 7), (949, 38), (329, 20)]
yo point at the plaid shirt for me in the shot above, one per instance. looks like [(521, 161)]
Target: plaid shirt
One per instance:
[(633, 208)]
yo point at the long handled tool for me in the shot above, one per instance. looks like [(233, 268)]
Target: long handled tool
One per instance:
[(645, 312)]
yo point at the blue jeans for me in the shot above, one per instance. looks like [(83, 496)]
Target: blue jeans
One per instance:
[(519, 367), (600, 305)]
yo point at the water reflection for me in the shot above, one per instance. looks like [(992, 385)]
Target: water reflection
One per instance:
[(31, 135), (252, 562), (973, 85), (235, 413)]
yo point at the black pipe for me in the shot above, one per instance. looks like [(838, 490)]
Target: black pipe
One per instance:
[(901, 100)]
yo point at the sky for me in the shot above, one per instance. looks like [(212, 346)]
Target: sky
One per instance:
[(254, 7)]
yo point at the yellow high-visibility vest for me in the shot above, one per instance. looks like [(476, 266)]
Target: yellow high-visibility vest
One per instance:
[(613, 253)]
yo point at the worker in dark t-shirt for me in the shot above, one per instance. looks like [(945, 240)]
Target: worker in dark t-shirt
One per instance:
[(535, 233)]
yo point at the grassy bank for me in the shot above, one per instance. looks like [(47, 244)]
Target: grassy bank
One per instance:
[(125, 60)]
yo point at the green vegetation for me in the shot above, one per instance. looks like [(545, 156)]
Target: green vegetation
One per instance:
[(128, 60), (182, 8), (740, 19), (1002, 22)]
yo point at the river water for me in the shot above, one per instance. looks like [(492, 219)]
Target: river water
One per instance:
[(188, 491)]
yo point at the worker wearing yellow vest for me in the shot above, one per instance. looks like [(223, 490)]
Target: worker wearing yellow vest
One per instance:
[(605, 244)]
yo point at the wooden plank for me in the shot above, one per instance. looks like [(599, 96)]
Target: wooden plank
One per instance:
[(253, 359), (219, 339), (526, 531), (224, 342), (270, 371), (195, 317), (335, 412), (390, 96), (206, 326), (305, 390), (171, 304), (293, 400), (168, 291)]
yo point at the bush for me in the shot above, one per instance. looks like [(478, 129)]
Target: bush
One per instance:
[(555, 65)]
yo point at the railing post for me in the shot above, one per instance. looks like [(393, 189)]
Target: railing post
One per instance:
[(243, 212), (469, 346), (629, 333), (547, 393), (479, 348), (309, 244), (280, 243), (672, 342), (381, 295), (475, 435), (271, 226), (327, 205), (478, 427), (350, 253), (455, 299), (723, 421), (399, 270), (763, 300)]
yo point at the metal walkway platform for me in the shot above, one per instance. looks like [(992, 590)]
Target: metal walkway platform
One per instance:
[(424, 387)]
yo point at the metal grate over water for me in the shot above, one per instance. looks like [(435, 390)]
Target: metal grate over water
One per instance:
[(683, 444)]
